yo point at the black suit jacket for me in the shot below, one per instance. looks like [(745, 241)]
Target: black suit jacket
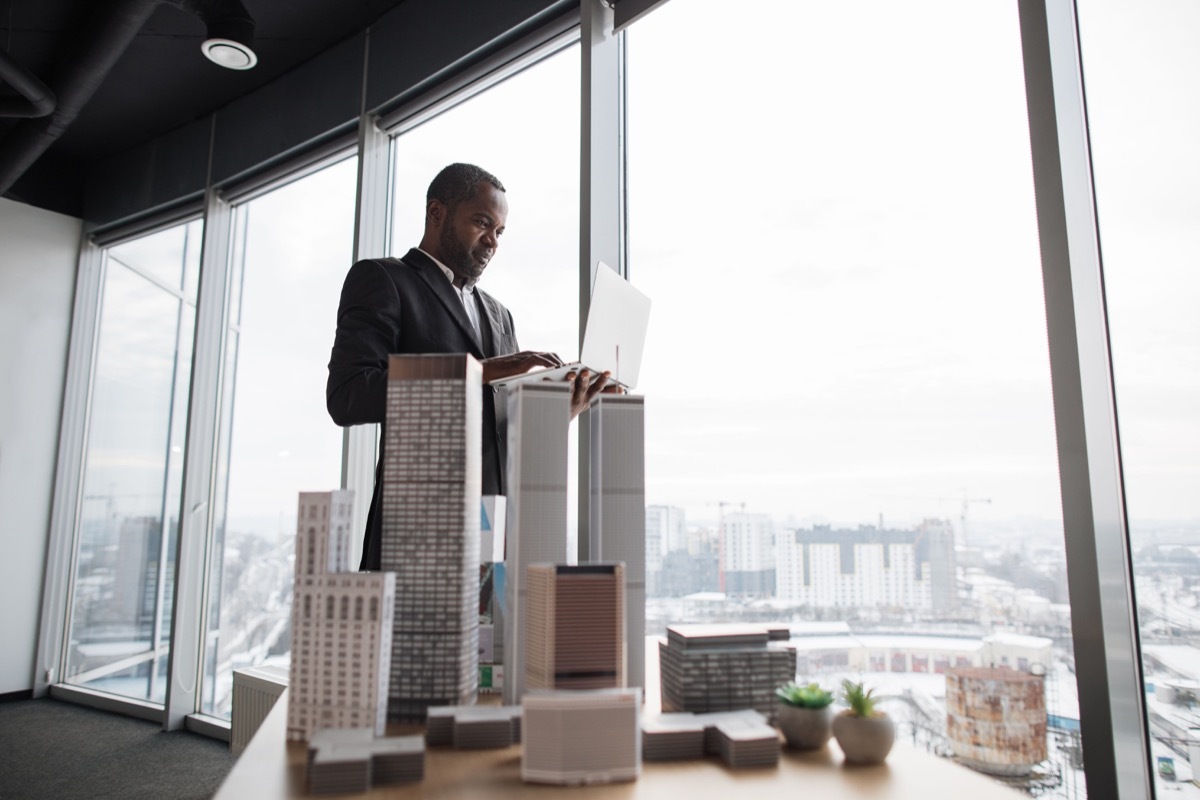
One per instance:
[(406, 305)]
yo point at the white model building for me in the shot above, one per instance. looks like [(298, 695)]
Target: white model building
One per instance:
[(724, 667), (341, 625), (575, 626), (431, 509), (574, 737), (539, 415), (617, 510)]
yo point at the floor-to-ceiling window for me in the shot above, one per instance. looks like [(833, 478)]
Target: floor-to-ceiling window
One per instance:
[(848, 408), (124, 562), (1142, 69), (292, 247)]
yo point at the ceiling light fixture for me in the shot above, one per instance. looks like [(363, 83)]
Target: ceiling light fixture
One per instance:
[(230, 33), (229, 53)]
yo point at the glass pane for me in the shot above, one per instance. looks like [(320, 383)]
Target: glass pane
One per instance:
[(295, 245), (849, 419), (1141, 66), (120, 618), (163, 255), (535, 272)]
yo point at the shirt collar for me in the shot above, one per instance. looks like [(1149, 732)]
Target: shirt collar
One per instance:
[(468, 287)]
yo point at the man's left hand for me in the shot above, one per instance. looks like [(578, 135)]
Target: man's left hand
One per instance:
[(584, 389)]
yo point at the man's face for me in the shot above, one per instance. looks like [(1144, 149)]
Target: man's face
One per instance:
[(470, 234)]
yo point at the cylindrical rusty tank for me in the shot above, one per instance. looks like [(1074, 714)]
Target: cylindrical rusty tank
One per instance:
[(996, 719)]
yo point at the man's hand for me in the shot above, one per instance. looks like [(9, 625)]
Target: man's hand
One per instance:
[(500, 367), (584, 389)]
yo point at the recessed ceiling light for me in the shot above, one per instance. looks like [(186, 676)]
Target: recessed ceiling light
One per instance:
[(229, 54)]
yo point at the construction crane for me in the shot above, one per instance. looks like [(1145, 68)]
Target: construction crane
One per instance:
[(966, 503)]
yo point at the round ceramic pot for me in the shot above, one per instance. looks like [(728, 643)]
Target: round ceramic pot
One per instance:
[(805, 728), (864, 740)]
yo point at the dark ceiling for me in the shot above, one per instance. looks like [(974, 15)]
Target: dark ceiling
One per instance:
[(161, 81)]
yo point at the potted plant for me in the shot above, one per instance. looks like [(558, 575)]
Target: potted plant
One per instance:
[(805, 715), (864, 734)]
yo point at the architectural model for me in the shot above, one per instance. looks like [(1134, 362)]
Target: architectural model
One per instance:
[(473, 727), (575, 626), (353, 760), (539, 416), (431, 510), (724, 667), (491, 593), (341, 625), (741, 738), (574, 737), (617, 511)]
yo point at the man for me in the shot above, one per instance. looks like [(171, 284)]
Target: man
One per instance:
[(428, 302)]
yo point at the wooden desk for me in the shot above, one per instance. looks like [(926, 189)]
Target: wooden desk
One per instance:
[(273, 769)]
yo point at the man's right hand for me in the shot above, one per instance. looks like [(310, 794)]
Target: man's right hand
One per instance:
[(498, 368)]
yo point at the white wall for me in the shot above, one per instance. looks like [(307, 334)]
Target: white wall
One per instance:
[(38, 256)]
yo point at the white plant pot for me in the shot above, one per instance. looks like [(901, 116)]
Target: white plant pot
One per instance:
[(864, 740), (805, 728)]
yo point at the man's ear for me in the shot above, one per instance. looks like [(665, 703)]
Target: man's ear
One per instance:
[(435, 213)]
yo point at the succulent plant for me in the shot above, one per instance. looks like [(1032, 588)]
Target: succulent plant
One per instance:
[(810, 696), (859, 699)]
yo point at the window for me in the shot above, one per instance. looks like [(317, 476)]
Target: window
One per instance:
[(1144, 116), (292, 248), (847, 374), (132, 469)]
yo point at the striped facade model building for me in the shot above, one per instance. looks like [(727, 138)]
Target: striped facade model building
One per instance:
[(341, 625), (575, 626), (724, 667), (431, 497)]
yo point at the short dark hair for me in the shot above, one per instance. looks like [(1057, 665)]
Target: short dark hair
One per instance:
[(459, 182)]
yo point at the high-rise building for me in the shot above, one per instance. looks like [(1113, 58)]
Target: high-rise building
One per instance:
[(868, 567), (617, 510), (341, 625), (666, 533), (431, 501), (747, 555), (575, 634), (539, 415)]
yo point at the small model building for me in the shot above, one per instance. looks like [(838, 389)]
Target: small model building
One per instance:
[(341, 625), (539, 415), (431, 509), (473, 727), (741, 738), (724, 667), (617, 511), (582, 737), (353, 760), (575, 626), (491, 594)]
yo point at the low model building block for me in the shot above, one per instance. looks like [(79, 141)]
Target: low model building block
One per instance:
[(724, 667), (473, 727), (617, 510), (341, 625), (575, 622), (582, 737), (539, 416), (431, 518), (354, 760), (740, 738)]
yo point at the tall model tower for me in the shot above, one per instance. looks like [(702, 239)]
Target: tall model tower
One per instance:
[(341, 625), (431, 491), (539, 415), (617, 510)]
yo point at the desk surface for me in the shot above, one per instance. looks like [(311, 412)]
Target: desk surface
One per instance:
[(273, 769)]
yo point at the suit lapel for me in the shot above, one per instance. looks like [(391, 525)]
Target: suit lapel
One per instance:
[(444, 292), (492, 321)]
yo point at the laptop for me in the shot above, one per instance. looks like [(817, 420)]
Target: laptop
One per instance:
[(613, 338)]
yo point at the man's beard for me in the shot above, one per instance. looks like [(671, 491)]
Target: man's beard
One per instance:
[(458, 258)]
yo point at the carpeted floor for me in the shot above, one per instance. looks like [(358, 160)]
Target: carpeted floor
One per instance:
[(61, 751)]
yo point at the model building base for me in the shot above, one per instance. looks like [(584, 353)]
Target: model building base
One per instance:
[(473, 727), (740, 738), (582, 737), (353, 760)]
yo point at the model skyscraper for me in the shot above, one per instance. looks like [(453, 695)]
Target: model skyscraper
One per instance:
[(575, 626), (617, 510), (431, 495), (341, 625), (539, 416)]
